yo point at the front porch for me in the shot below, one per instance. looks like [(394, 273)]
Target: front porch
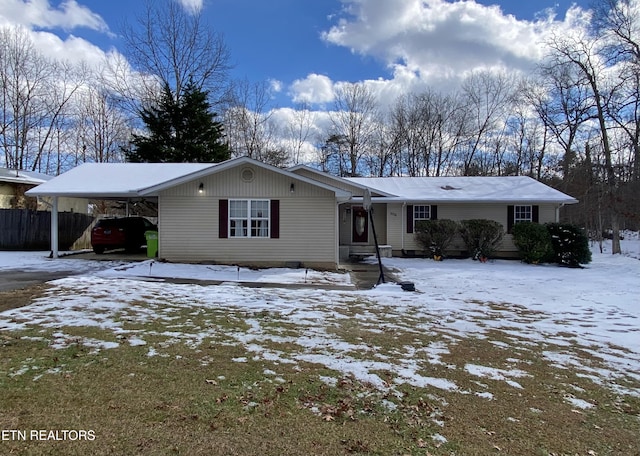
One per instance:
[(359, 231), (359, 252)]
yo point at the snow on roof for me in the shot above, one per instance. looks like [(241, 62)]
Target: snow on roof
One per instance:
[(129, 180), (23, 177), (330, 177), (121, 180), (465, 189), (124, 180)]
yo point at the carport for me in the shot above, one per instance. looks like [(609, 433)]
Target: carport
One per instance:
[(128, 182)]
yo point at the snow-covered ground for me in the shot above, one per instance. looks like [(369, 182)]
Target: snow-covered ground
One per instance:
[(41, 262), (566, 313)]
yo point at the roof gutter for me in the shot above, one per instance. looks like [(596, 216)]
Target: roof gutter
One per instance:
[(427, 200)]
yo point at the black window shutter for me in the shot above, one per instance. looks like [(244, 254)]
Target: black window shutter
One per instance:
[(433, 212), (535, 214), (510, 218), (275, 219), (409, 218), (223, 218)]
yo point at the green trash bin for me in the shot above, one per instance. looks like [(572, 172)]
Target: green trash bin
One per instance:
[(152, 243)]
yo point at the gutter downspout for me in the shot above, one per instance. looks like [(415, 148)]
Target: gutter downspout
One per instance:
[(337, 235), (403, 215), (560, 206), (54, 228)]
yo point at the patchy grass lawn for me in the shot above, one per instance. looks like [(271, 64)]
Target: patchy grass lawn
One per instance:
[(231, 370)]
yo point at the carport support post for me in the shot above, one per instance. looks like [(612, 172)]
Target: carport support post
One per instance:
[(54, 228)]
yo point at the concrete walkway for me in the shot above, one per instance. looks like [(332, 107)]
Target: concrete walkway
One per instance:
[(366, 275)]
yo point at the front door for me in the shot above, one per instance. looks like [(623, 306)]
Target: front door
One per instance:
[(360, 225)]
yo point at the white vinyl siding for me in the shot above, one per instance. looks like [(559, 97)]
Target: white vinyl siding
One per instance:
[(307, 234), (396, 219)]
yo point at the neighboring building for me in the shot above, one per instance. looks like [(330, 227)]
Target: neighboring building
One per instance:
[(14, 184), (246, 212)]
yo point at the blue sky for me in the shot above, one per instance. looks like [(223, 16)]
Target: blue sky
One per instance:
[(309, 46)]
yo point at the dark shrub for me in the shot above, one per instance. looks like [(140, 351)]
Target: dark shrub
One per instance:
[(533, 242), (435, 236), (481, 237), (570, 244)]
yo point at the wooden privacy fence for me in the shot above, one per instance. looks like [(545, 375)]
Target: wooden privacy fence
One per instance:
[(24, 229)]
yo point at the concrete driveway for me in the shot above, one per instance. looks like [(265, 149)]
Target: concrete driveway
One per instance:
[(364, 275), (14, 279)]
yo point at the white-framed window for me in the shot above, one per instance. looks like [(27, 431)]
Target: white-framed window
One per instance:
[(249, 218), (522, 214), (421, 212)]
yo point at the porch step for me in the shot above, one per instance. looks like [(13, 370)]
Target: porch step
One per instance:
[(363, 251)]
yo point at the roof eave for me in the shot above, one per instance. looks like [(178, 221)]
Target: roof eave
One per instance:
[(401, 199), (19, 180), (102, 195)]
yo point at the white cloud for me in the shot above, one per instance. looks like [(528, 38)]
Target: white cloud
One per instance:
[(315, 88), (72, 49), (39, 13), (438, 43), (38, 16), (275, 85), (192, 6), (430, 44)]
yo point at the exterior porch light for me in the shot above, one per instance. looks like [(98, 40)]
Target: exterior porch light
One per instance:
[(201, 188), (292, 187)]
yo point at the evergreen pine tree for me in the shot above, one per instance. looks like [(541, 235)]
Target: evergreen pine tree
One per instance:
[(180, 130)]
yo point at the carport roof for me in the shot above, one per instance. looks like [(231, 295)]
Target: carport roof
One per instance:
[(115, 180), (23, 177)]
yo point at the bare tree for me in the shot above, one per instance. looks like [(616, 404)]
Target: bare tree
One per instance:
[(25, 75), (487, 96), (249, 126), (618, 21), (412, 119), (299, 131), (102, 130), (561, 99), (417, 125), (58, 102), (379, 159), (176, 46), (354, 119), (35, 100), (527, 138), (581, 53)]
